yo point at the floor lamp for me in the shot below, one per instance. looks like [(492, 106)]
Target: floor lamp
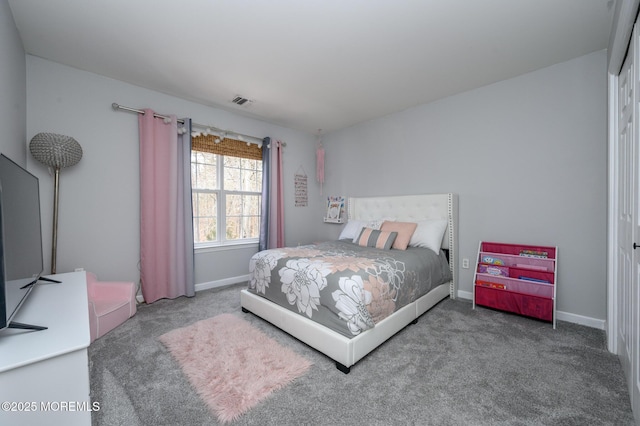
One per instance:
[(57, 152)]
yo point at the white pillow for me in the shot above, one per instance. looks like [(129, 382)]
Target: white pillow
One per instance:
[(377, 223), (353, 227), (429, 234), (351, 230)]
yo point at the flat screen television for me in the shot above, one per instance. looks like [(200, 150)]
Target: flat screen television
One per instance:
[(21, 262)]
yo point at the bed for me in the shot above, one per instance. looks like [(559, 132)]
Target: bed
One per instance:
[(341, 330)]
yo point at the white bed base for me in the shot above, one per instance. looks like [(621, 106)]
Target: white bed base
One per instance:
[(344, 351)]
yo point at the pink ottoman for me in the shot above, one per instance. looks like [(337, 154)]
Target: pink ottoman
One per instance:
[(110, 304)]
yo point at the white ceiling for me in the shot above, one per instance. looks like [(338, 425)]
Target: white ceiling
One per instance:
[(312, 64)]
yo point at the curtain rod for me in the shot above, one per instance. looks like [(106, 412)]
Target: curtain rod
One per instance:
[(116, 107)]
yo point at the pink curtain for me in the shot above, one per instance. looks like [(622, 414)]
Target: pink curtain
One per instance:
[(276, 198), (166, 236)]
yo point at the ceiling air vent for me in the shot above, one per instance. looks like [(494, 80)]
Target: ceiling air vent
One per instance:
[(239, 100)]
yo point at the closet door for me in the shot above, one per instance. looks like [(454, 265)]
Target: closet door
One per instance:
[(628, 221), (633, 316)]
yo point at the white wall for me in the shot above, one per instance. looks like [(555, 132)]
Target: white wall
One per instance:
[(527, 157), (13, 87), (99, 197)]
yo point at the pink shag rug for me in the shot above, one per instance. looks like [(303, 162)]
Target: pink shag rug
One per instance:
[(232, 365)]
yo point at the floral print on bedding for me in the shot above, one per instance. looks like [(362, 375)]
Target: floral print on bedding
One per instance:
[(344, 286)]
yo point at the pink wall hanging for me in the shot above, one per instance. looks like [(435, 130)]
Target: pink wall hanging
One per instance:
[(320, 162)]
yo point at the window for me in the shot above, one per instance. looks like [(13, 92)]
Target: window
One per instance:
[(226, 191)]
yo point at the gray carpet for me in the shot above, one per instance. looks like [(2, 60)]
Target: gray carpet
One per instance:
[(456, 366)]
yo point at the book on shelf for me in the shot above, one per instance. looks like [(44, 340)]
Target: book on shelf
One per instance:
[(534, 253), (535, 280), (532, 267), (491, 285), (493, 270)]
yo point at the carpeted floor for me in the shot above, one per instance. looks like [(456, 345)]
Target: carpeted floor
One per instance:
[(456, 366), (214, 354)]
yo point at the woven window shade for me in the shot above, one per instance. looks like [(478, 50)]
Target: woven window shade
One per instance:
[(231, 147)]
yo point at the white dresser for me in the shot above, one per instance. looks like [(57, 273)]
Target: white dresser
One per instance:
[(44, 375)]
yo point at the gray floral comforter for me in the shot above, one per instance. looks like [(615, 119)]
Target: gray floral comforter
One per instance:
[(344, 286)]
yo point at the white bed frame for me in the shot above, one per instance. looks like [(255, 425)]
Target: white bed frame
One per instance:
[(344, 351)]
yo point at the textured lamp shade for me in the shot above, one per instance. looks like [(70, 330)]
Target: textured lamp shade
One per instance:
[(57, 151)]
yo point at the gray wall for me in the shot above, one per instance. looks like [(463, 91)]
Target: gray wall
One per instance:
[(13, 89), (527, 157), (99, 197)]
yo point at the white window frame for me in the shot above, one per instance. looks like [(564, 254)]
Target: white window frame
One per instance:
[(221, 233)]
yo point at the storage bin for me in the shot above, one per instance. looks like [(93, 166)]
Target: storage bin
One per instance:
[(515, 249), (518, 285), (522, 304), (514, 260)]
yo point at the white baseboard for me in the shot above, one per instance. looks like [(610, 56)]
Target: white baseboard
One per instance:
[(582, 320), (465, 295), (222, 283), (211, 284), (562, 316)]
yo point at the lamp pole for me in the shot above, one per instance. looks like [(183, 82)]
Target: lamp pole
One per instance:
[(54, 241)]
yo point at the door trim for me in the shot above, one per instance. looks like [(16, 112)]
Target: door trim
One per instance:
[(612, 229)]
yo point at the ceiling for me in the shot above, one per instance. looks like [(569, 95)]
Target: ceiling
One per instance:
[(312, 64)]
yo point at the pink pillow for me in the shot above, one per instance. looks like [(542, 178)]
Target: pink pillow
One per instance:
[(404, 229), (375, 238)]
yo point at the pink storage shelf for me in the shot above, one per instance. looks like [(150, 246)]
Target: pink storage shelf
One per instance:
[(517, 278)]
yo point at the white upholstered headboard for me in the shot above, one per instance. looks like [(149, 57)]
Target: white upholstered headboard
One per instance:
[(412, 208)]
